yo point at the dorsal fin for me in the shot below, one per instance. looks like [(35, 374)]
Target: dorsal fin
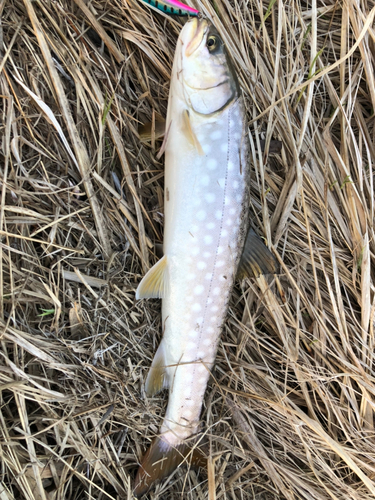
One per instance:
[(161, 459), (256, 258), (189, 132), (157, 378), (154, 284)]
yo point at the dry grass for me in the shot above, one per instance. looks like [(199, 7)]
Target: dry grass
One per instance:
[(289, 409)]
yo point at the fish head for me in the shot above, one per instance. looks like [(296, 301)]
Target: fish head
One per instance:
[(207, 78)]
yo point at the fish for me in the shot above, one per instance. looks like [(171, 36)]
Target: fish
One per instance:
[(206, 239), (173, 7)]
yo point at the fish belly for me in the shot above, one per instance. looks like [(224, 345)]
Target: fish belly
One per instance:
[(206, 205)]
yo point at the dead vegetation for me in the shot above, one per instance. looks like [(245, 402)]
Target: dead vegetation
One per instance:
[(289, 410)]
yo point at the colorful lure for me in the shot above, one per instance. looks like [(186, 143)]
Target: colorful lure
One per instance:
[(174, 7)]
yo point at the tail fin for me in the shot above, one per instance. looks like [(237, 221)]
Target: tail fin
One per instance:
[(162, 459)]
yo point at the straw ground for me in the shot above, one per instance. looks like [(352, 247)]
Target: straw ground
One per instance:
[(289, 409)]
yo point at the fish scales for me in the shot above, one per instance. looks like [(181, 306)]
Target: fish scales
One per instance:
[(208, 198), (207, 177)]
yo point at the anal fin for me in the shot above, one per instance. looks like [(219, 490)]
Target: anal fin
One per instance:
[(157, 378), (256, 258), (155, 283)]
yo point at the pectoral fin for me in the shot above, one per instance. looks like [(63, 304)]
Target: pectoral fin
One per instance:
[(189, 132), (154, 284), (157, 378), (144, 131), (164, 143), (256, 258)]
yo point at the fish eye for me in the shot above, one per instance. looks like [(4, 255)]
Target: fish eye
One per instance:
[(213, 43)]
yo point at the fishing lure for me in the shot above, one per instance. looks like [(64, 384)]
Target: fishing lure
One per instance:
[(174, 7)]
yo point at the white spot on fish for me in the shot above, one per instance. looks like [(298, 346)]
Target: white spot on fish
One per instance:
[(236, 184), (210, 225), (193, 334), (201, 265), (228, 222), (201, 215), (230, 165), (227, 200), (196, 307), (202, 380), (232, 211), (198, 290), (220, 250), (200, 320), (208, 239), (201, 354), (221, 182), (239, 198), (191, 276), (209, 197), (224, 233), (205, 180), (218, 214), (202, 368), (207, 341), (224, 147), (209, 330), (220, 263), (209, 301), (213, 319), (187, 391), (206, 255), (216, 135), (188, 413), (195, 251), (215, 291), (211, 164), (208, 276), (236, 136), (189, 402), (206, 148), (194, 228), (191, 345)]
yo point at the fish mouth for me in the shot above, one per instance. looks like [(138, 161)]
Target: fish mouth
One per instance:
[(201, 27)]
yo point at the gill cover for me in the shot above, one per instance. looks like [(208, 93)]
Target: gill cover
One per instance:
[(208, 81)]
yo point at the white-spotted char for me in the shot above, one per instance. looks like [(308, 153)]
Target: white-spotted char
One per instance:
[(206, 220)]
